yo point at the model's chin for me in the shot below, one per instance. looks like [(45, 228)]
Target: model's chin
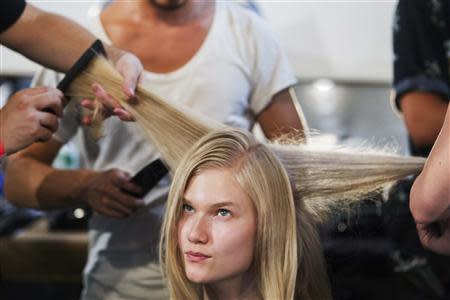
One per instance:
[(196, 275)]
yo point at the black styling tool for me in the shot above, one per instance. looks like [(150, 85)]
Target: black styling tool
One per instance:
[(148, 177), (94, 50)]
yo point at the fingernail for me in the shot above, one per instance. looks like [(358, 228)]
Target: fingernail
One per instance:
[(130, 92)]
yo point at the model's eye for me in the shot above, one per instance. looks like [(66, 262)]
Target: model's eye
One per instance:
[(224, 212), (187, 208)]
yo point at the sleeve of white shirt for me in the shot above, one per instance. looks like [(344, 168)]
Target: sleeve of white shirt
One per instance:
[(71, 120), (271, 72)]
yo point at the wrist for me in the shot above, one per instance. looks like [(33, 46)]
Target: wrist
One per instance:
[(81, 186), (114, 53)]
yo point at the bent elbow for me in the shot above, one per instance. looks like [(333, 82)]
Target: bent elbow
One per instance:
[(422, 204)]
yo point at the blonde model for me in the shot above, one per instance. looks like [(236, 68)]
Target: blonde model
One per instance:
[(230, 227)]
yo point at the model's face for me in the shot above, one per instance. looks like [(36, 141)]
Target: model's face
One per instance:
[(168, 4), (217, 229)]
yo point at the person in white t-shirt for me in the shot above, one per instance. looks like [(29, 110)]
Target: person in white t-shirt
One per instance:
[(216, 57)]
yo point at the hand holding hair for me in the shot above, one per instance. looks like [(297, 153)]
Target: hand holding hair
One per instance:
[(70, 40), (129, 66), (103, 106), (26, 119)]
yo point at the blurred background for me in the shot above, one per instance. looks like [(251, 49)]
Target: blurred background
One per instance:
[(341, 52)]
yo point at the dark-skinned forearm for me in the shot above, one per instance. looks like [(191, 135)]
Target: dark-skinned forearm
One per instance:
[(61, 188), (30, 183), (58, 46)]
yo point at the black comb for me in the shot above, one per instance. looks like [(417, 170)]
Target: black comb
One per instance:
[(148, 177), (95, 49)]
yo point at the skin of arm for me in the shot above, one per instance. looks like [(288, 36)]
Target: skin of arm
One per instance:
[(57, 47), (26, 170), (424, 115), (282, 116), (30, 181), (60, 45), (430, 195)]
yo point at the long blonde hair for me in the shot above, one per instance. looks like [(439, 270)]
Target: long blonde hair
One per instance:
[(262, 176), (322, 179)]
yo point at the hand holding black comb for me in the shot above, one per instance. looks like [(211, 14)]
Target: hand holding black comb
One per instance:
[(149, 176), (95, 49)]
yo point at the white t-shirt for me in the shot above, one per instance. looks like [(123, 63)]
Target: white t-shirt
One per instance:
[(232, 78)]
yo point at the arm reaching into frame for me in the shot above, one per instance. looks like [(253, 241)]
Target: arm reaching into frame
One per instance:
[(60, 45), (430, 195)]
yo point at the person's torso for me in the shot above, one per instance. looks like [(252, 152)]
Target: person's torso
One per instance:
[(215, 81), (163, 44)]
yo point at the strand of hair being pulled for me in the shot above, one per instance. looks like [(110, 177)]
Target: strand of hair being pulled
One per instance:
[(322, 178)]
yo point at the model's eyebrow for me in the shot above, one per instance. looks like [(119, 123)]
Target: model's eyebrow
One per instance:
[(227, 203), (186, 201), (219, 204)]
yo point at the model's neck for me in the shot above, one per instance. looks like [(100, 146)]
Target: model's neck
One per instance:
[(242, 287)]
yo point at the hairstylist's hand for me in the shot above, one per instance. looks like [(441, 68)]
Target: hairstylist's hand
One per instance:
[(130, 67), (436, 236), (26, 119), (431, 212), (430, 195), (106, 193)]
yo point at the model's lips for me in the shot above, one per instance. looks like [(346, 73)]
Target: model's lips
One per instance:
[(196, 256)]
